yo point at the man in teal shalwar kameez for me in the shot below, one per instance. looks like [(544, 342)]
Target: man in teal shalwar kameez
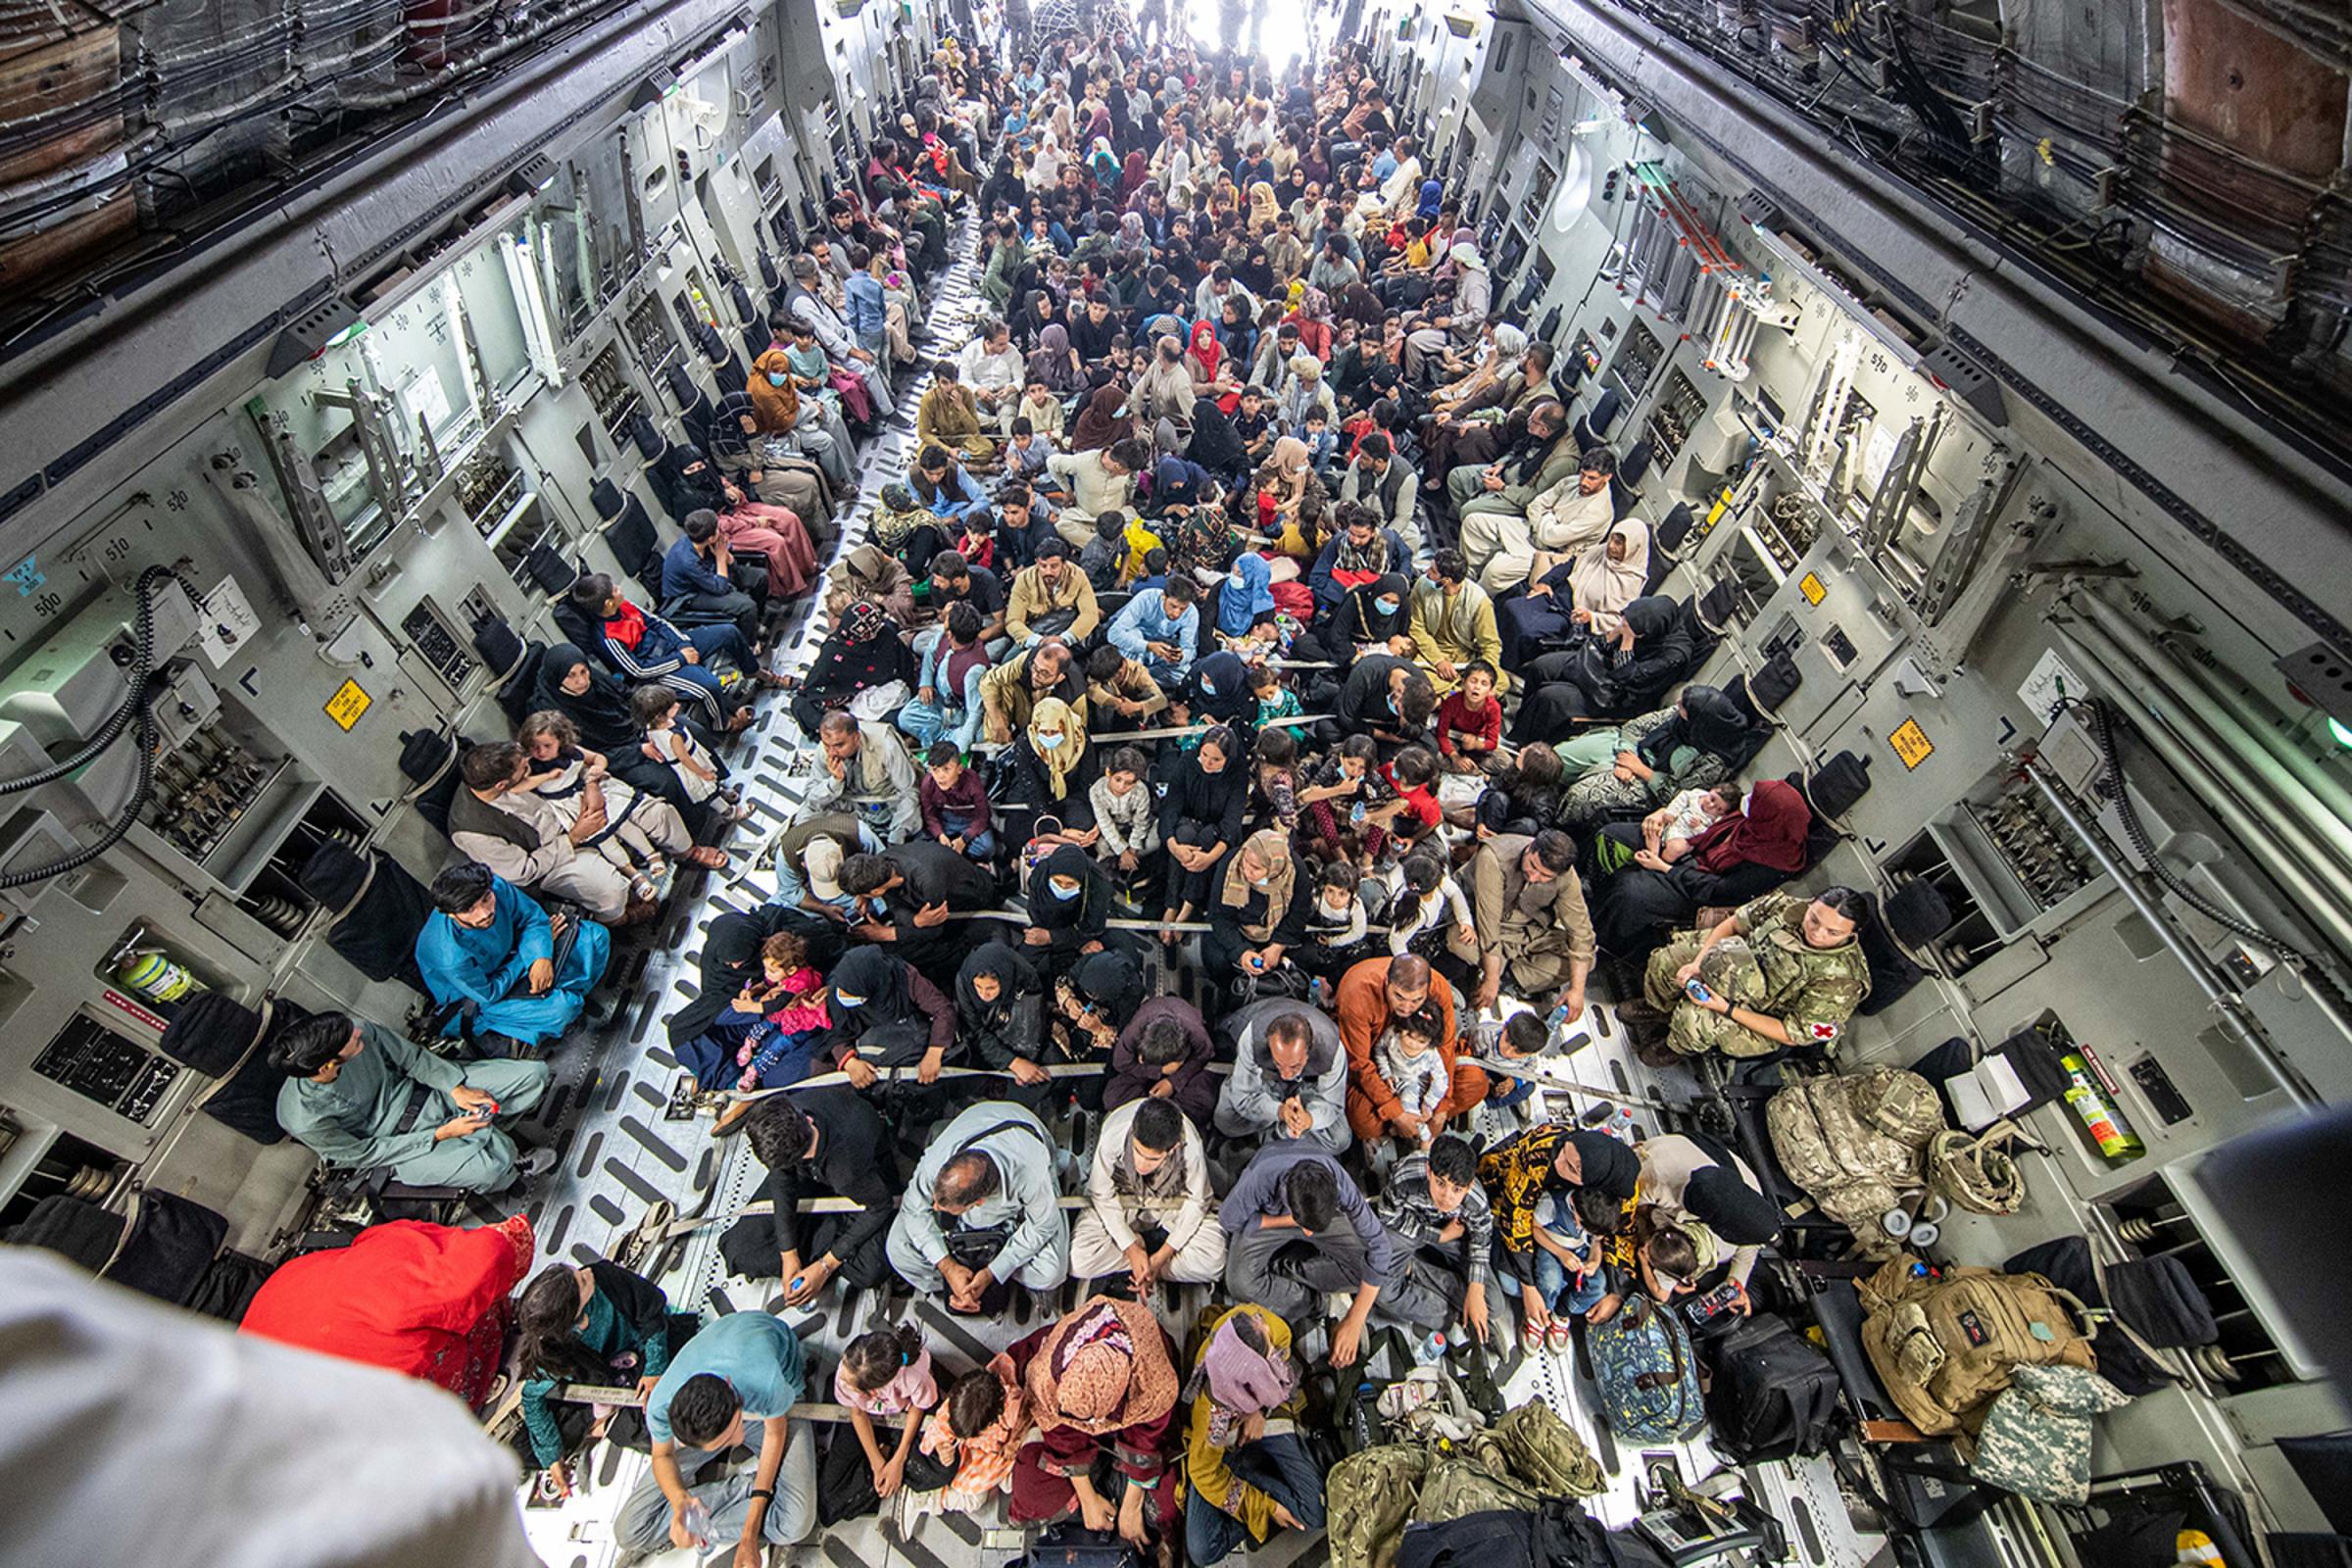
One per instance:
[(360, 1097), (491, 951)]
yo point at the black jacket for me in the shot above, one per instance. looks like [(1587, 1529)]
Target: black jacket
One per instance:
[(855, 1159)]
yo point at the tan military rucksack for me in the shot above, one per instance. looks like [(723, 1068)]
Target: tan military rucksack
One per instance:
[(1944, 1344)]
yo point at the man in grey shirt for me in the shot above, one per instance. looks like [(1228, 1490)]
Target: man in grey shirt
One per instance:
[(1289, 1077), (983, 1210)]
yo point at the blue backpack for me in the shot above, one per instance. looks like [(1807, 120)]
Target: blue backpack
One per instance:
[(1648, 1372)]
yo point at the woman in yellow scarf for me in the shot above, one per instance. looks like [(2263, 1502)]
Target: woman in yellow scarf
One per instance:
[(1053, 769), (1246, 923), (1060, 741)]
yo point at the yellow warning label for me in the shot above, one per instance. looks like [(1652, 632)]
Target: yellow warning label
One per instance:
[(1909, 741), (348, 703), (1811, 587)]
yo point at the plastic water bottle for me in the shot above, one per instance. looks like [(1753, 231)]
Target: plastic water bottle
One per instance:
[(1615, 1120), (698, 1522), (1429, 1348)]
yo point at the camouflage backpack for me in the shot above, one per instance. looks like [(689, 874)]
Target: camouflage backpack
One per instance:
[(1547, 1452), (1368, 1498), (1946, 1345), (1459, 1487), (1855, 1141)]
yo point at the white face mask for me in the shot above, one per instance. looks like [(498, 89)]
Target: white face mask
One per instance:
[(1746, 801)]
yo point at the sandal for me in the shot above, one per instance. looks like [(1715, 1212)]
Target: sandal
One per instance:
[(704, 854)]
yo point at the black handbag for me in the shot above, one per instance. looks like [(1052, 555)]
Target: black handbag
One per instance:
[(977, 1245), (893, 1044)]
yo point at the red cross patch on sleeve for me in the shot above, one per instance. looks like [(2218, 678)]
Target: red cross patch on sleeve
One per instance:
[(1823, 1032)]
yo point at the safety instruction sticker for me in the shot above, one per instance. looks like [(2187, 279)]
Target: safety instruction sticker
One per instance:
[(1811, 587), (2051, 684), (1909, 741), (348, 703)]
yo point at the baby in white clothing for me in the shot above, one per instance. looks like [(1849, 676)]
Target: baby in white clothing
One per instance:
[(1407, 1056)]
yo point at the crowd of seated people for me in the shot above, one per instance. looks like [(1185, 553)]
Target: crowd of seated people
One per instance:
[(1252, 603)]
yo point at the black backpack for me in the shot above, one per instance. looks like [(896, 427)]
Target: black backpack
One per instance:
[(1070, 1545), (1773, 1394)]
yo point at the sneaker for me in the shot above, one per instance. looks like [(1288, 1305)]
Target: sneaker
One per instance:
[(1531, 1337), (1558, 1337), (535, 1163)]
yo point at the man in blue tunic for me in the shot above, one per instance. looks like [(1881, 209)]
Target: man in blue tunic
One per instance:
[(489, 953)]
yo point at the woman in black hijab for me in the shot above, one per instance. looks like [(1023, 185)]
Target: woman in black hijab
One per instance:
[(1038, 311), (885, 1013), (1200, 822), (1217, 689), (1608, 677), (598, 705), (1088, 1009), (1000, 1016), (1070, 905), (731, 961), (1369, 616), (684, 481), (1215, 447), (1111, 984)]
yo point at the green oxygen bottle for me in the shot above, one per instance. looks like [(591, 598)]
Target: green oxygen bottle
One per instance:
[(2094, 1106)]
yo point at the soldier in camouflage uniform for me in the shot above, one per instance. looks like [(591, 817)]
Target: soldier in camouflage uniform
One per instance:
[(1782, 971)]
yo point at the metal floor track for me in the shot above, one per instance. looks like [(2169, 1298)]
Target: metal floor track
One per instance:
[(620, 1157)]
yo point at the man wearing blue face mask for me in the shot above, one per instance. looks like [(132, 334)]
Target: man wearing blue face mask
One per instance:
[(1387, 698), (1361, 553)]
